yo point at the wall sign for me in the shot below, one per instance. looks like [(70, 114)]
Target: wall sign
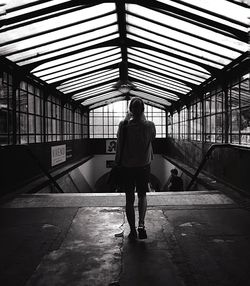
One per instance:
[(111, 146), (58, 154)]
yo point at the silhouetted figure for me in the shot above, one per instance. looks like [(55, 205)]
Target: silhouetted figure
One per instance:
[(174, 182), (136, 157)]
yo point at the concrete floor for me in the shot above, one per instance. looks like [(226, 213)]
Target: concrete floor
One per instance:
[(77, 240)]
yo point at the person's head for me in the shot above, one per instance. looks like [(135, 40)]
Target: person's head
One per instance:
[(136, 107), (174, 172)]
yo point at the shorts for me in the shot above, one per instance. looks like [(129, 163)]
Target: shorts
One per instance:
[(136, 177)]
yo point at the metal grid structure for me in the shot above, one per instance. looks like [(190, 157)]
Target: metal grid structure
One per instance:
[(166, 49)]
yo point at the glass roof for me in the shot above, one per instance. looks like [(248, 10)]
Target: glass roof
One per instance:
[(169, 47)]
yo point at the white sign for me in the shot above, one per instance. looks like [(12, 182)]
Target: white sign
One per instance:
[(58, 154), (111, 146)]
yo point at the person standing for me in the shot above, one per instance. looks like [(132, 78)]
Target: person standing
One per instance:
[(134, 137)]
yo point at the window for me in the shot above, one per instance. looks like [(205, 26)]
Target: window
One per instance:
[(175, 123), (29, 115), (6, 116), (53, 119), (184, 123), (67, 122), (104, 121), (239, 109)]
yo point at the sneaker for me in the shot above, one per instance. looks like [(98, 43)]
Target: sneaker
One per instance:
[(132, 235), (142, 232)]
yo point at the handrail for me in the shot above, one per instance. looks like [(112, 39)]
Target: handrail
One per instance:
[(40, 165), (207, 155)]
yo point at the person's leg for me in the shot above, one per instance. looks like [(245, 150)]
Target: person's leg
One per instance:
[(142, 181), (142, 208), (130, 211), (129, 186)]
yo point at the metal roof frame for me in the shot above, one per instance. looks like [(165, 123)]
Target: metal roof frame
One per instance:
[(63, 28)]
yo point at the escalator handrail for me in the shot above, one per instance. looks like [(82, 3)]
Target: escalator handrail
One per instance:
[(208, 154), (40, 165)]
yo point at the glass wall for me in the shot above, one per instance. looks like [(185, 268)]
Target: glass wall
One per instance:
[(196, 121), (53, 118), (37, 117), (184, 123), (214, 116), (239, 108), (158, 116), (176, 125), (6, 104), (29, 114), (216, 104), (104, 120)]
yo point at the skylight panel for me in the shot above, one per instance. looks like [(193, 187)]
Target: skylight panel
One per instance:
[(174, 45), (93, 91), (86, 95), (78, 60), (156, 82), (220, 7), (156, 91), (81, 67), (61, 37), (160, 79), (170, 64), (184, 26), (150, 97), (101, 97), (36, 56), (88, 80), (81, 72), (177, 53), (116, 99), (165, 73), (90, 83), (170, 59), (63, 22), (20, 4), (178, 35), (72, 58), (163, 68)]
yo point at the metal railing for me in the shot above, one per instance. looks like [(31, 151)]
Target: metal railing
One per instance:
[(207, 156)]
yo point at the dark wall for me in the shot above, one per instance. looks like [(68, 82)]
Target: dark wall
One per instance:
[(230, 166), (18, 167), (98, 146)]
